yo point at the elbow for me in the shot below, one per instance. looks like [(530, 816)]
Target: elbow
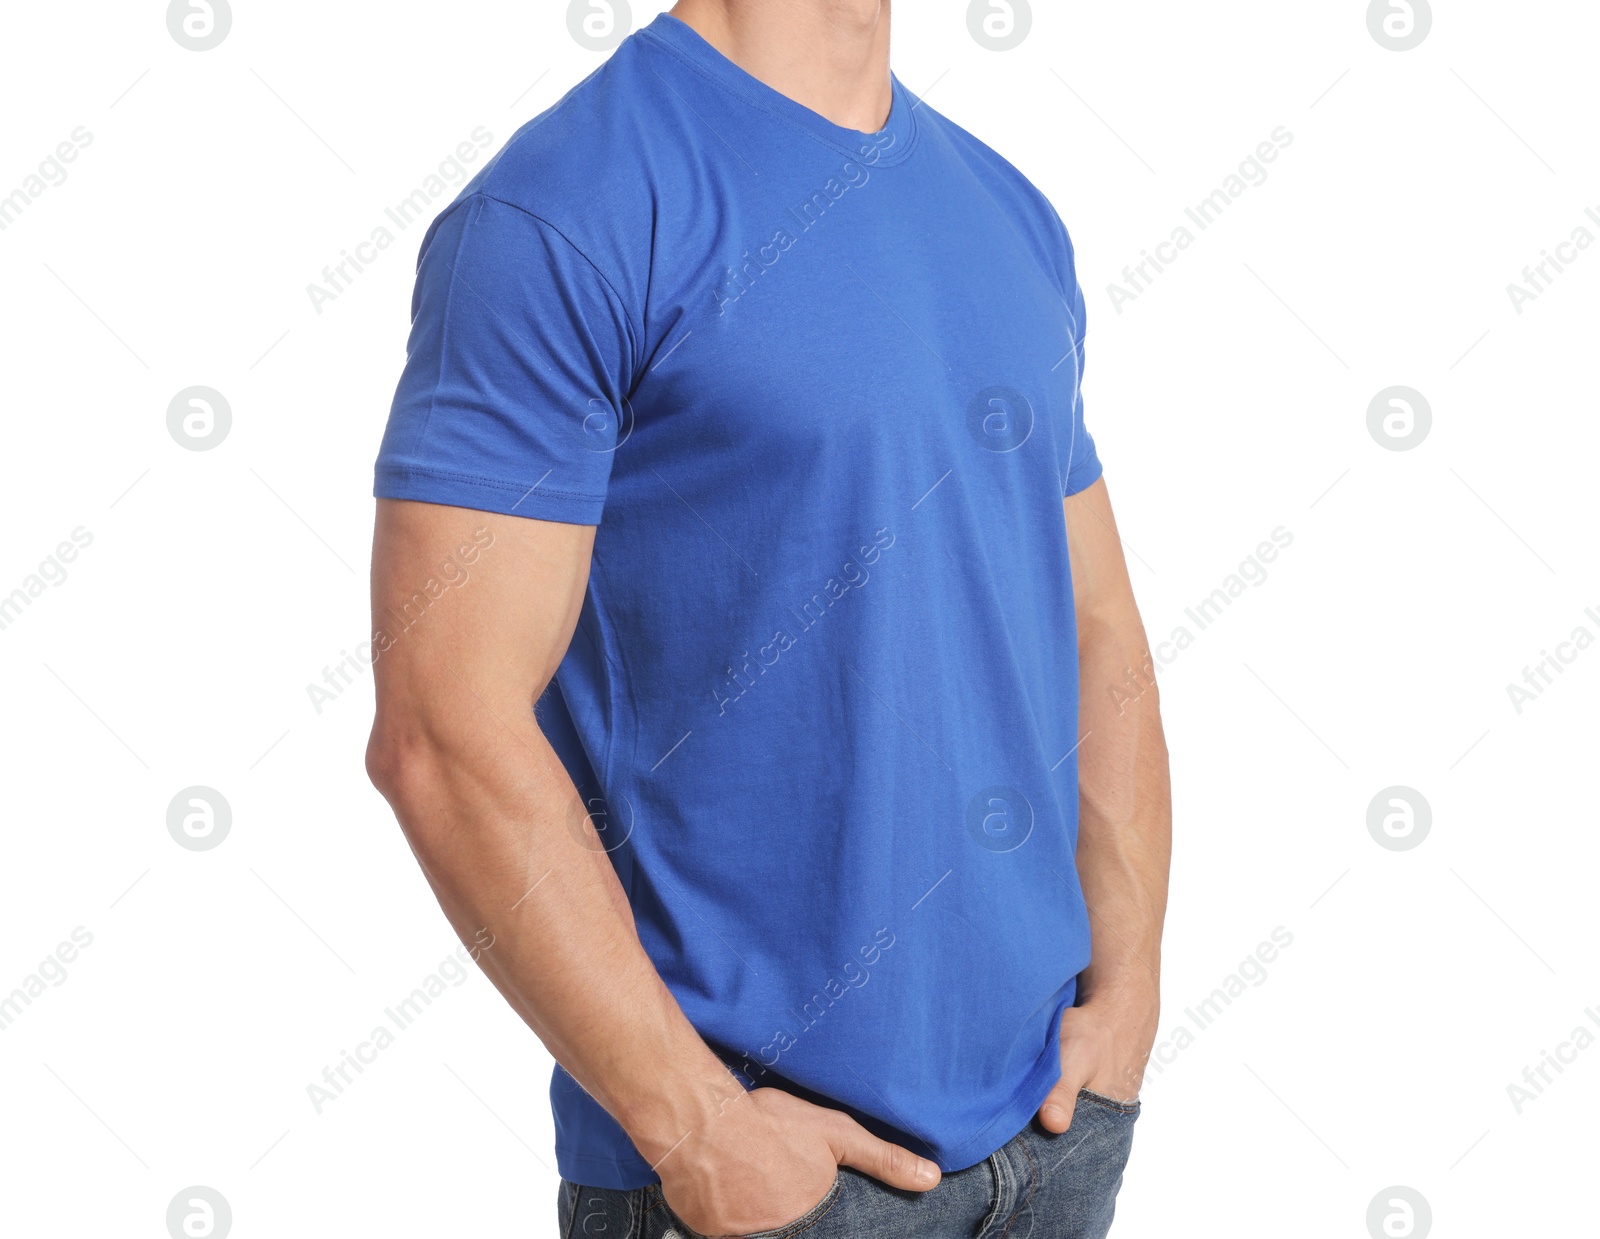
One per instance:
[(411, 772), (402, 763), (383, 763), (385, 755)]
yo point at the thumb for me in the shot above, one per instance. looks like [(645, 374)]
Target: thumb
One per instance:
[(856, 1147), (1059, 1106)]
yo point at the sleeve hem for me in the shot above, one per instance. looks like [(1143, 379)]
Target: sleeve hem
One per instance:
[(1082, 476), (464, 490)]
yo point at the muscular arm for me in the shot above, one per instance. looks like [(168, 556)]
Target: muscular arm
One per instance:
[(493, 819), (471, 639), (1125, 819)]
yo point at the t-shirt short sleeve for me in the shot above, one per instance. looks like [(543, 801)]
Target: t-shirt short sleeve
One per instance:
[(1080, 467), (514, 393)]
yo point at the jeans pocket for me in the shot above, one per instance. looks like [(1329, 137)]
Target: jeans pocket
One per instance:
[(1126, 1108), (807, 1220)]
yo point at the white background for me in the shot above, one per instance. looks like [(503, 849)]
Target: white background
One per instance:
[(1228, 399)]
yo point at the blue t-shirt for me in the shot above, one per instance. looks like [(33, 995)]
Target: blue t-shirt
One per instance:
[(819, 389)]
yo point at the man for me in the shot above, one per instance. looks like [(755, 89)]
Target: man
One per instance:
[(742, 399)]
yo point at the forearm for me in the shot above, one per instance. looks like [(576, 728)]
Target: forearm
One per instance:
[(1125, 807), (504, 840)]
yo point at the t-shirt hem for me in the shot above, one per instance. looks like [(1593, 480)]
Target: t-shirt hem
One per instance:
[(465, 490), (624, 1174), (1024, 1105)]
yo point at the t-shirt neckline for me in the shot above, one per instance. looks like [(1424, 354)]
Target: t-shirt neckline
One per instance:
[(892, 143)]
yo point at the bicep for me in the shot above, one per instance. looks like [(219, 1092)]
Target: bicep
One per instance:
[(471, 606)]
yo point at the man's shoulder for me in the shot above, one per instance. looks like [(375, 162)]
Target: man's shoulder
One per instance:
[(1012, 188), (585, 158)]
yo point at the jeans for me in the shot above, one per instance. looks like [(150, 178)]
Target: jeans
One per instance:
[(1039, 1186)]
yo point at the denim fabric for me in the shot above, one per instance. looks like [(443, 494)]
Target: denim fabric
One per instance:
[(1038, 1186)]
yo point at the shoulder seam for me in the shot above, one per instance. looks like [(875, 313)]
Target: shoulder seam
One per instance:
[(635, 331)]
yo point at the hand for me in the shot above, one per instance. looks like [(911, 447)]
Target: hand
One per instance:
[(1104, 1047), (769, 1158)]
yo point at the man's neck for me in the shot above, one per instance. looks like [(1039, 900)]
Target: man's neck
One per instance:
[(831, 56)]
